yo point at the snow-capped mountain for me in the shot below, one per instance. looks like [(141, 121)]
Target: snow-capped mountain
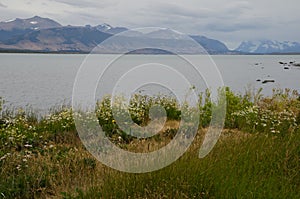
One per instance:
[(34, 23), (268, 46), (109, 29), (16, 27), (104, 27)]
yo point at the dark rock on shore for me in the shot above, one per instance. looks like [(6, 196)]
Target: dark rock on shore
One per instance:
[(268, 81)]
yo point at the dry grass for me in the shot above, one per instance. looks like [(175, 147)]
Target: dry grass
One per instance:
[(66, 169), (46, 159)]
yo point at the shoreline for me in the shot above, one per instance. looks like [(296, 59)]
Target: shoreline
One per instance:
[(17, 51)]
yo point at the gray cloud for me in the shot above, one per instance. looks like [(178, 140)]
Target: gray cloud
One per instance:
[(2, 5), (237, 8), (225, 19), (176, 10), (228, 20), (85, 3), (233, 27)]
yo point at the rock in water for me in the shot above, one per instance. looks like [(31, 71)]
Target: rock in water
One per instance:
[(268, 81)]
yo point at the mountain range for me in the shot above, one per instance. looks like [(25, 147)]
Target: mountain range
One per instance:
[(39, 34), (268, 46)]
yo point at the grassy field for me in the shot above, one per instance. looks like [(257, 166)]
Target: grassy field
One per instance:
[(257, 155)]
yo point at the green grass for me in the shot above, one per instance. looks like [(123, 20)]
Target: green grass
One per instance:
[(257, 156), (241, 168)]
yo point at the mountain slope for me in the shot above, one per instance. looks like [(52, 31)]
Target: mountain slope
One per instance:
[(58, 39), (212, 46), (33, 23), (268, 46), (46, 35), (109, 29), (17, 27)]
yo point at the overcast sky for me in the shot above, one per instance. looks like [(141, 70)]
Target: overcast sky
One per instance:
[(230, 21)]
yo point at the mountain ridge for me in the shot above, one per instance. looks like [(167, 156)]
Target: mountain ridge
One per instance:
[(268, 47), (46, 35)]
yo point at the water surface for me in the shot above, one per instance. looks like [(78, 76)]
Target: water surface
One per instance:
[(46, 80)]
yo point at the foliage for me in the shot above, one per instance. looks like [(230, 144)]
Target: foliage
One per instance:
[(257, 156)]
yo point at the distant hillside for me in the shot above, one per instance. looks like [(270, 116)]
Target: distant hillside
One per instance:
[(46, 35), (34, 23), (57, 39), (211, 45), (17, 27)]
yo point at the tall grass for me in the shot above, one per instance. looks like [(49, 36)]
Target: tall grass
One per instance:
[(256, 167), (257, 156)]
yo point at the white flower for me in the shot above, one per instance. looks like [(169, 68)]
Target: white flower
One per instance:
[(120, 138), (3, 157)]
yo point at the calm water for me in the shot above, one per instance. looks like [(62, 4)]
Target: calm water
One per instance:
[(44, 81)]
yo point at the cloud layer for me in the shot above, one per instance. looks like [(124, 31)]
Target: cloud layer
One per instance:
[(228, 20), (2, 5)]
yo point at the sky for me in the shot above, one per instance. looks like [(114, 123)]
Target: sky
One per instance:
[(230, 21)]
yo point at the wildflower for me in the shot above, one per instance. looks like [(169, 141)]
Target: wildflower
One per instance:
[(3, 157), (19, 167), (120, 138), (27, 156)]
